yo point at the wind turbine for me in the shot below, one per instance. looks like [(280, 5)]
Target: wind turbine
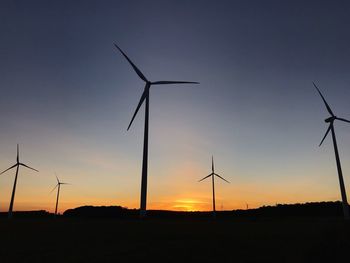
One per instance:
[(145, 97), (17, 165), (331, 120), (58, 186), (212, 175)]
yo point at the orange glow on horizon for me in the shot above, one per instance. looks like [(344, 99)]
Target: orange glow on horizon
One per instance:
[(184, 204), (188, 205), (172, 188)]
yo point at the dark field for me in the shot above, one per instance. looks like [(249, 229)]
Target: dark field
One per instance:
[(153, 240)]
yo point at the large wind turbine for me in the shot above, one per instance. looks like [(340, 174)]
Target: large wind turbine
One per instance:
[(145, 97), (17, 165), (212, 175), (331, 120), (58, 186)]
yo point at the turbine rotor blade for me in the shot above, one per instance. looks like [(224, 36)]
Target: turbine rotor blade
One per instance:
[(13, 166), (28, 167), (222, 178), (58, 181), (17, 153), (342, 119), (143, 97), (139, 73), (206, 177), (173, 82), (54, 188), (212, 164), (324, 137), (66, 183), (324, 100)]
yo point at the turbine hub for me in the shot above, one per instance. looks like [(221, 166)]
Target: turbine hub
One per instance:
[(330, 119)]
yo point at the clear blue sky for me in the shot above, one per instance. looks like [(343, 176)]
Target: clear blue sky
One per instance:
[(67, 97)]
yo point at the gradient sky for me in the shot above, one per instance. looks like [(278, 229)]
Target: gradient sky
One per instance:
[(67, 97)]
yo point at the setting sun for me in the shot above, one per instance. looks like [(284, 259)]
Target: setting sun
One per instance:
[(189, 205)]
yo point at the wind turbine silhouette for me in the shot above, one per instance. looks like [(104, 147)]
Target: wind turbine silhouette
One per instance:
[(58, 185), (17, 165), (145, 97), (331, 120), (213, 174)]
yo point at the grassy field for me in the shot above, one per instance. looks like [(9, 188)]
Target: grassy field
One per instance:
[(153, 240)]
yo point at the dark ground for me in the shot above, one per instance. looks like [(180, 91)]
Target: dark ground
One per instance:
[(174, 240)]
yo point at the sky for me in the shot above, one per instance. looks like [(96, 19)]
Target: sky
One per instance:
[(67, 97)]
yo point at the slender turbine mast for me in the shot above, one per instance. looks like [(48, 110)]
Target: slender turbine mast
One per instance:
[(331, 120), (58, 186), (212, 175), (145, 97), (17, 165)]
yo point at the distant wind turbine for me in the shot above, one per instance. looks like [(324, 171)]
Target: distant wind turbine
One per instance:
[(145, 97), (213, 174), (58, 186), (331, 120), (17, 165)]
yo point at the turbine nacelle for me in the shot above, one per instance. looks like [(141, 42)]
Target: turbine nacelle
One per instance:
[(330, 119), (18, 163), (59, 183), (213, 174)]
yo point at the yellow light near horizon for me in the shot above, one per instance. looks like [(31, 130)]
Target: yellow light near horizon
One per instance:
[(187, 208), (188, 205)]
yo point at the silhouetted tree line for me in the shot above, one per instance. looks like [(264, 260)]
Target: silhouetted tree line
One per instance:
[(28, 214), (314, 209), (101, 212)]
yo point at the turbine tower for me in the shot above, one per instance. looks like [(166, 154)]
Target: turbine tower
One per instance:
[(331, 120), (58, 186), (17, 165), (145, 98), (212, 175)]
